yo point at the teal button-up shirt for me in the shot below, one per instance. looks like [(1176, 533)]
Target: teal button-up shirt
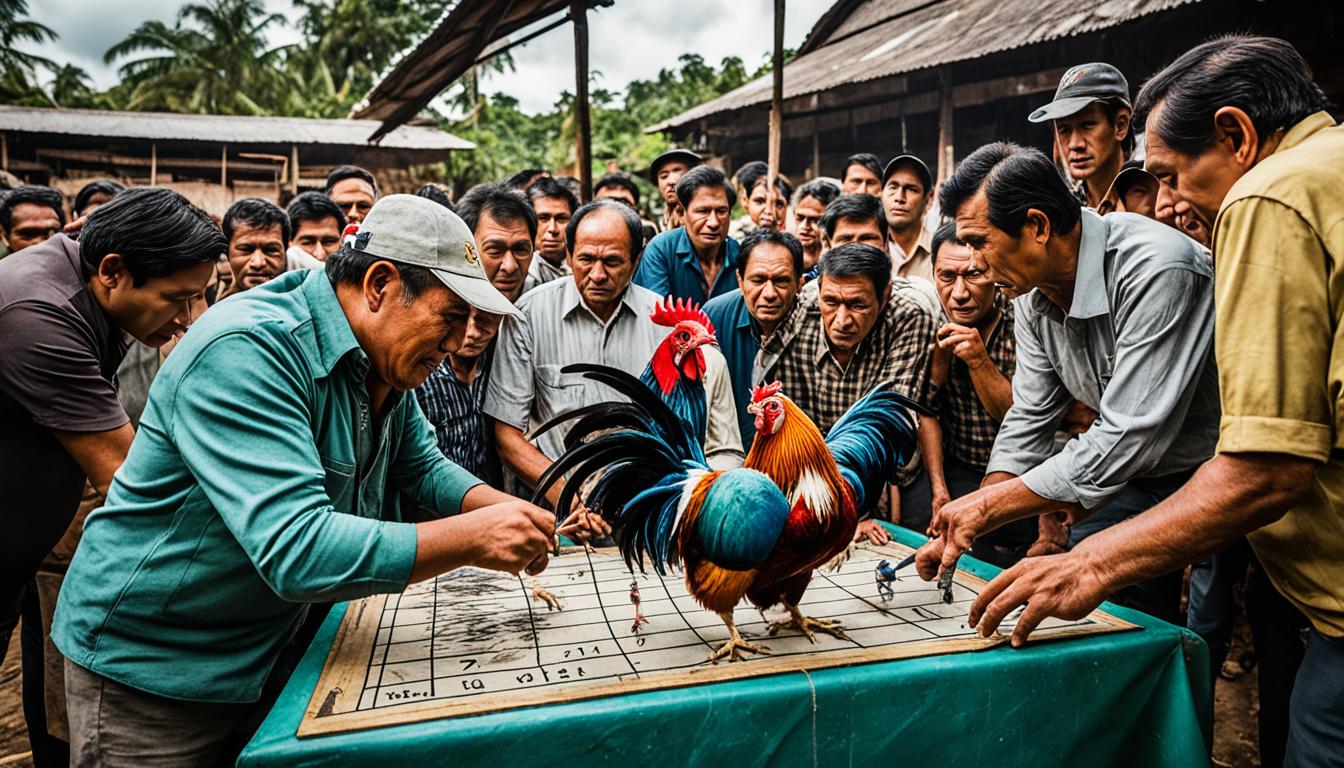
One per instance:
[(669, 267), (258, 482)]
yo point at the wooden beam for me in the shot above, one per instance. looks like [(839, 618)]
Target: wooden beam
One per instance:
[(583, 140), (224, 166), (153, 164), (294, 169), (4, 151), (104, 158), (776, 124), (945, 107)]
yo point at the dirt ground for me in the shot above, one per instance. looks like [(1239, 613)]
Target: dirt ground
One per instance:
[(1233, 738)]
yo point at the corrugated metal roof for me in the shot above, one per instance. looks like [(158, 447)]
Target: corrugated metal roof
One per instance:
[(222, 129), (881, 38)]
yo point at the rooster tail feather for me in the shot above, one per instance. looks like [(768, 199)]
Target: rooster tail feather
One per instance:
[(874, 438)]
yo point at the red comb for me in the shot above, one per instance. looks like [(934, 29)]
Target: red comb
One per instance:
[(669, 312), (765, 392)]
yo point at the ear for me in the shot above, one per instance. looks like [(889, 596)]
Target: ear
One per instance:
[(1037, 226), (111, 271), (1122, 120), (886, 295), (381, 284), (1233, 129)]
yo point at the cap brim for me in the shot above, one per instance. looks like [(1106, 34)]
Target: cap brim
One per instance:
[(1127, 178), (478, 293), (1061, 108)]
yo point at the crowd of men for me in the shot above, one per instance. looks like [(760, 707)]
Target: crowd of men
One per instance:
[(1100, 412)]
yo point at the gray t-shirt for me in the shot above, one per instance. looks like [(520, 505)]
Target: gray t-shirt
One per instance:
[(59, 354)]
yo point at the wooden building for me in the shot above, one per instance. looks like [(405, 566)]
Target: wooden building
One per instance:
[(938, 78), (212, 159)]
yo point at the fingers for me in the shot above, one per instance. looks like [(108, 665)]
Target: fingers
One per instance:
[(927, 559), (538, 565), (991, 591), (1013, 595), (1027, 623), (952, 551)]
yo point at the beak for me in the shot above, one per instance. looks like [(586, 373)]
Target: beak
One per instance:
[(754, 409)]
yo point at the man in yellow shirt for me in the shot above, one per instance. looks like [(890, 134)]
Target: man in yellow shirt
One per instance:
[(1236, 129)]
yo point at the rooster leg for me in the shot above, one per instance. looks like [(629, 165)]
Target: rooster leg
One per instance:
[(735, 645), (806, 625)]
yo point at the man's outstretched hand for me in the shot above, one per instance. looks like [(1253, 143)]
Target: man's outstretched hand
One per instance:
[(1068, 586), (953, 528)]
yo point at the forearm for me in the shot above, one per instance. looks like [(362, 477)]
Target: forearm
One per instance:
[(993, 388), (1228, 497), (1007, 498), (521, 457), (930, 436), (441, 546)]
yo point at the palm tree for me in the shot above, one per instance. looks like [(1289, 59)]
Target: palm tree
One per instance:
[(213, 60), (72, 87), (15, 29)]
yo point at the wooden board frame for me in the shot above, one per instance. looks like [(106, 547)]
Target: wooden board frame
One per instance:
[(347, 663)]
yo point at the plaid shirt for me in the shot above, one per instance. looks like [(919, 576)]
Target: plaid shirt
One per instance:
[(968, 429), (896, 350), (453, 408)]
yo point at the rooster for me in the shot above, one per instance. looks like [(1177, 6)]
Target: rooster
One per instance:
[(756, 532), (677, 369)]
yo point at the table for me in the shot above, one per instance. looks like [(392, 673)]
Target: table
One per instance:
[(1138, 698)]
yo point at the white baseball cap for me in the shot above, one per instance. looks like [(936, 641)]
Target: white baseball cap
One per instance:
[(414, 230)]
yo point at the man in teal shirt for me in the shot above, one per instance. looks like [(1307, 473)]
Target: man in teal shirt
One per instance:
[(265, 475)]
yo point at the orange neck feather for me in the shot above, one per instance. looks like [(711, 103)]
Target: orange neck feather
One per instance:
[(798, 445)]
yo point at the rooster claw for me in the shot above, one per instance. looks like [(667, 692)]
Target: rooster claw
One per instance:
[(806, 624), (733, 650)]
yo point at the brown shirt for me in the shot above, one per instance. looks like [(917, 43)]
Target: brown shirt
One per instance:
[(60, 354)]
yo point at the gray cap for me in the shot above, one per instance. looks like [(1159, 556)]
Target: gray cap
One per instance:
[(414, 230), (686, 156), (1080, 86), (909, 161)]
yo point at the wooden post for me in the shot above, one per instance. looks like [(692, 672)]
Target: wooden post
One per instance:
[(776, 102), (945, 151), (293, 169), (4, 151), (153, 164), (224, 166), (816, 149), (583, 150)]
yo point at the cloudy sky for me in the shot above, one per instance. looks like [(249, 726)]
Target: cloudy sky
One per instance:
[(631, 40)]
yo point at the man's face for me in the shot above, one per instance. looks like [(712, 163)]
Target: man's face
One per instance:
[(766, 210), (319, 238), (553, 215), (964, 283), (601, 260), (857, 231), (904, 199), (94, 200), (1087, 140), (1019, 263), (410, 341), (806, 223), (618, 193), (355, 196), (1195, 183), (668, 176), (161, 308), (481, 329), (849, 308), (707, 218), (256, 254), (769, 283), (31, 224), (506, 253), (861, 181)]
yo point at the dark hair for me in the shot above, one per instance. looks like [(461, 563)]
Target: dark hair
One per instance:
[(634, 228), (343, 172), (574, 186), (435, 192), (618, 180), (867, 160), (33, 194), (782, 186), (517, 180), (349, 266), (820, 190), (858, 259), (856, 207), (313, 206), (1265, 77), (257, 213), (99, 187), (774, 237), (504, 204), (947, 233), (747, 176), (703, 176), (548, 187), (156, 231), (1015, 179), (1110, 108)]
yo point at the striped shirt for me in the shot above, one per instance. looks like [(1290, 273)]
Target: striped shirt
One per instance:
[(453, 408), (968, 429)]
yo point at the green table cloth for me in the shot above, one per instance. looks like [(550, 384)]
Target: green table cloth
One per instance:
[(1127, 698)]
